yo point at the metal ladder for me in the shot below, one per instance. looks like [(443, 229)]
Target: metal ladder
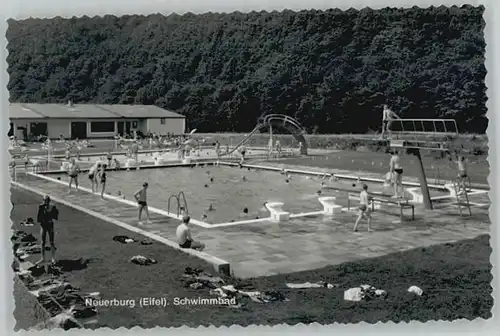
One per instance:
[(179, 197), (461, 189)]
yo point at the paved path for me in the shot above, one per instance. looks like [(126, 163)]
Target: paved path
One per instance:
[(301, 244)]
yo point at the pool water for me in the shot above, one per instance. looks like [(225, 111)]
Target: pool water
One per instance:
[(227, 189), (230, 191)]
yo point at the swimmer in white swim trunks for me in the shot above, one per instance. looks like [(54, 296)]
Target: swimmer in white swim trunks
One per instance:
[(397, 174), (387, 117), (364, 209), (73, 171)]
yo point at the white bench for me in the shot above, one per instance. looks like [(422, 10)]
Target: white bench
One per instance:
[(416, 195), (329, 205), (277, 212)]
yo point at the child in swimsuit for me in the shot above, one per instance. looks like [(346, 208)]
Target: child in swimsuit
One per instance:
[(102, 179)]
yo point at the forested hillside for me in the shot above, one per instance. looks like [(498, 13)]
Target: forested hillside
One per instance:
[(332, 70)]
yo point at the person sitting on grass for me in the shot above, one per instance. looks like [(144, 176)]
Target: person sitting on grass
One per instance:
[(184, 237), (364, 209)]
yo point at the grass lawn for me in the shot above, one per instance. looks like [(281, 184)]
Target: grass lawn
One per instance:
[(455, 279), (464, 141)]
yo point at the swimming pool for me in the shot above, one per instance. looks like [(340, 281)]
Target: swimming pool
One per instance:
[(227, 190)]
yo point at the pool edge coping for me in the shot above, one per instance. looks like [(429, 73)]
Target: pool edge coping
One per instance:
[(219, 265)]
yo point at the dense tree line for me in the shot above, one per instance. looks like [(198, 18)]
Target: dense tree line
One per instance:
[(332, 70)]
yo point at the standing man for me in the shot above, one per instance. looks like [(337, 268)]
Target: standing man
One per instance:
[(387, 117), (47, 213), (364, 209), (142, 200), (396, 169), (73, 171)]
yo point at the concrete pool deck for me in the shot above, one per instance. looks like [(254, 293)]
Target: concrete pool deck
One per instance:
[(265, 248)]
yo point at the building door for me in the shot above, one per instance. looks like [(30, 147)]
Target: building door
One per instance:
[(78, 130), (128, 126), (121, 127), (38, 129), (11, 130)]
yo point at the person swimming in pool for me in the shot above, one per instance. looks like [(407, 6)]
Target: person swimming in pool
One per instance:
[(102, 178), (364, 208), (93, 176), (396, 170), (141, 198), (73, 171)]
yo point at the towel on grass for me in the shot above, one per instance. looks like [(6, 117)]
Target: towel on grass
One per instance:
[(141, 260)]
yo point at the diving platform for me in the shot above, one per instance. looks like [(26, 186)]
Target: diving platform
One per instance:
[(414, 135), (424, 128)]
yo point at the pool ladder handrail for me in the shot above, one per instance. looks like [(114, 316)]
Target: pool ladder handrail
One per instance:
[(178, 198)]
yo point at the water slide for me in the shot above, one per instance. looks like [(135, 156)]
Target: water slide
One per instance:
[(277, 120)]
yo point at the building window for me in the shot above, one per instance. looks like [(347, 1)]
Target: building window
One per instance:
[(162, 121), (102, 127)]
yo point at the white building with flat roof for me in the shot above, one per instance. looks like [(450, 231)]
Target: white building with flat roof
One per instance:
[(82, 121)]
